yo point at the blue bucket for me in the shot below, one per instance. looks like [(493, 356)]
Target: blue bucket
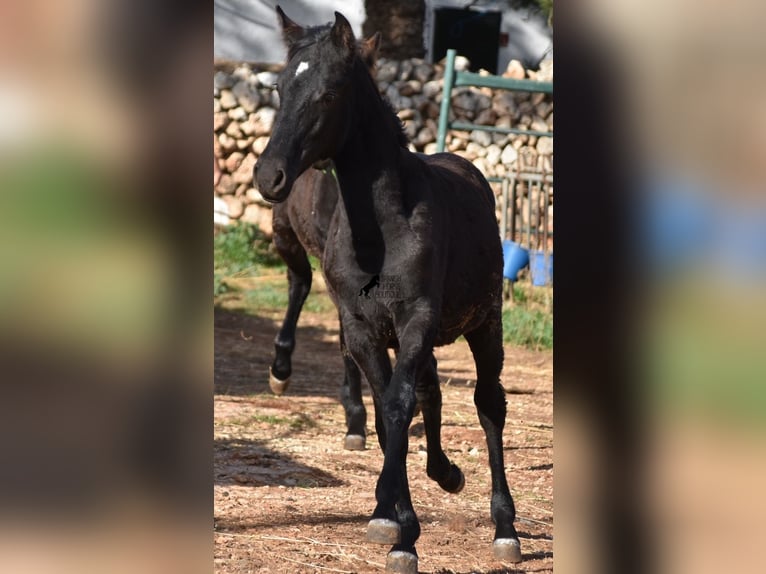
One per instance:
[(515, 258), (541, 268)]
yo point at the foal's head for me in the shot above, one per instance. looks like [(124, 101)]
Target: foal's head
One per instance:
[(315, 91)]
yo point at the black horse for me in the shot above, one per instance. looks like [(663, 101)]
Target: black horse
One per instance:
[(426, 226), (300, 228)]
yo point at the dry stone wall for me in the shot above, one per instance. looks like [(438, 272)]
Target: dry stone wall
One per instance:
[(244, 108)]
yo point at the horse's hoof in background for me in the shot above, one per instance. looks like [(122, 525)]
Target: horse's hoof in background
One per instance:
[(384, 531), (354, 442), (507, 550), (278, 386), (455, 482), (402, 562)]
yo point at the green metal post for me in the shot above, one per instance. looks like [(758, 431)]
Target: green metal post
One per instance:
[(449, 81)]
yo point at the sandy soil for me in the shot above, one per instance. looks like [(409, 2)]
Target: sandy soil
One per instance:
[(290, 499)]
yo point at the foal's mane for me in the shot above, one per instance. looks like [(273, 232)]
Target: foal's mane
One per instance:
[(359, 73)]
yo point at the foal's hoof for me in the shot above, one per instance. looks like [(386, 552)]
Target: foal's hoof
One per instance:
[(507, 550), (278, 386), (455, 481), (402, 562), (384, 531), (354, 442)]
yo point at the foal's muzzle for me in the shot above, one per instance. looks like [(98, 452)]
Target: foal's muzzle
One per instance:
[(271, 179)]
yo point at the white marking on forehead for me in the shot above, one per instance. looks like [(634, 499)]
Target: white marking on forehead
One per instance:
[(302, 67)]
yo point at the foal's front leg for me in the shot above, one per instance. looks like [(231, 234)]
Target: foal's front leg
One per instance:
[(394, 519)]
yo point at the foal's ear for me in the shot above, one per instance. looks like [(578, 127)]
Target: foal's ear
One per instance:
[(291, 32), (342, 34), (368, 49)]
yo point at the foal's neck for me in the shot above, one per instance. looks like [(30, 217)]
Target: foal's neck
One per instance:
[(368, 173)]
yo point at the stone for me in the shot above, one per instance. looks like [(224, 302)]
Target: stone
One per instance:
[(405, 69), (480, 164), (226, 185), (244, 173), (248, 126), (260, 144), (504, 103), (242, 71), (409, 88), (235, 206), (387, 71), (233, 130), (245, 143), (254, 196), (410, 130), (403, 103), (525, 121), (539, 125), (494, 152), (220, 211), (482, 138), (486, 117), (406, 114), (500, 139), (514, 70), (422, 73), (545, 145), (425, 136), (432, 89), (526, 108), (238, 114), (234, 160), (462, 63), (246, 95), (545, 73), (274, 99), (216, 106), (430, 148), (264, 120), (474, 150), (260, 216), (538, 98), (509, 155), (241, 190), (222, 80), (220, 120), (227, 100), (266, 79), (228, 143), (544, 109)]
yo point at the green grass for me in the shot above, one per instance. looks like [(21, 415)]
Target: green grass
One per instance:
[(251, 277), (299, 422), (528, 317), (241, 250)]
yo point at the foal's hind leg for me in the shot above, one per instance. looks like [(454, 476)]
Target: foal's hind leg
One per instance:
[(486, 344), (429, 395), (351, 399), (299, 280)]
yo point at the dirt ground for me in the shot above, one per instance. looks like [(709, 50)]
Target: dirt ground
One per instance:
[(290, 499)]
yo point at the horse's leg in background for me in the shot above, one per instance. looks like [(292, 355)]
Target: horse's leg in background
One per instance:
[(429, 395), (299, 280), (351, 399), (486, 344)]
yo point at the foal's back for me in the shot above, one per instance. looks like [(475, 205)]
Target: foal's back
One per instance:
[(467, 228)]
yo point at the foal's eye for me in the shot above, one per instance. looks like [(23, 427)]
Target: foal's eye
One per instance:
[(328, 98)]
